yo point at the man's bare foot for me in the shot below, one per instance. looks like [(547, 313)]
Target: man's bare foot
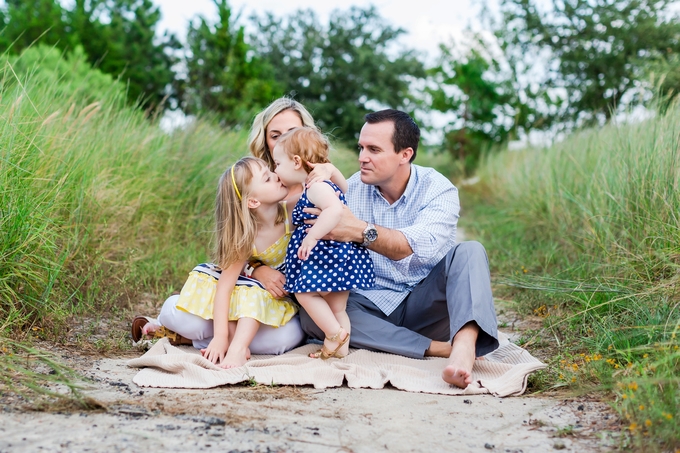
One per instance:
[(235, 358), (458, 372), (438, 349)]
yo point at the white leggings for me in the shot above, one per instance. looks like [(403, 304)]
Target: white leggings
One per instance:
[(268, 340)]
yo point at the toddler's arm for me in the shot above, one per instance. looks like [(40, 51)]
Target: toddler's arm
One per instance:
[(218, 346), (325, 172), (323, 196)]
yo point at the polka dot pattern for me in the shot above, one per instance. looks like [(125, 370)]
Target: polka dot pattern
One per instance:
[(332, 266)]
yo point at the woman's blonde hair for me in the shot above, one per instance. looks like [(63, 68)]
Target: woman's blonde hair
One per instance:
[(307, 143), (257, 140), (236, 224)]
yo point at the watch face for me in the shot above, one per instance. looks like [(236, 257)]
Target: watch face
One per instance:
[(371, 235)]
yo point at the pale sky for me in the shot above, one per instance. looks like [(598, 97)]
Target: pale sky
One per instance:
[(427, 22)]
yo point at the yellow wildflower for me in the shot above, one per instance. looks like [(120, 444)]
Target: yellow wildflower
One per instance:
[(642, 407), (633, 386), (648, 423), (633, 426)]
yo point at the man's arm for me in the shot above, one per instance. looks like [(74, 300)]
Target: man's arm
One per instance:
[(390, 243)]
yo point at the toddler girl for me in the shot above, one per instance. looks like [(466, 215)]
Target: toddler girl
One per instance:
[(320, 272)]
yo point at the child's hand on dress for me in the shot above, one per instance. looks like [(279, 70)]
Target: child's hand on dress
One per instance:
[(216, 350), (305, 249)]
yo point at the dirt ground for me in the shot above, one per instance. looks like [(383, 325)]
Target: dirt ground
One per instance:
[(243, 418)]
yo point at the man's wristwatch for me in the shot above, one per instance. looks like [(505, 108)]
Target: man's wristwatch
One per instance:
[(370, 235)]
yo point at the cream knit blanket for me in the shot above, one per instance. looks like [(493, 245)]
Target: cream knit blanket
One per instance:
[(503, 372)]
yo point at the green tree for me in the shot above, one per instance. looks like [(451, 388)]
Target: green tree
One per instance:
[(223, 75), (486, 107), (340, 71), (119, 37), (601, 47), (27, 21)]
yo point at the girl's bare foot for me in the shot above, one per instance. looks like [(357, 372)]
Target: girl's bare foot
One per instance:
[(235, 358)]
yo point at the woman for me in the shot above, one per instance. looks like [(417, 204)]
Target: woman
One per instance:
[(278, 118), (181, 327)]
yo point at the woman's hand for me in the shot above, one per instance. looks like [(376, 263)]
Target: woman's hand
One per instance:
[(272, 280), (305, 249), (216, 350), (319, 173)]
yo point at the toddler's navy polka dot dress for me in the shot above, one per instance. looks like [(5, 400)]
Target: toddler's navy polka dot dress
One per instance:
[(331, 266)]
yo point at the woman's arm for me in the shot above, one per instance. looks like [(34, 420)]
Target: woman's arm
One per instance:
[(218, 346), (323, 197), (326, 172)]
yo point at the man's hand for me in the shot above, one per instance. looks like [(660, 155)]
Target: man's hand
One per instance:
[(272, 280), (305, 249), (349, 228)]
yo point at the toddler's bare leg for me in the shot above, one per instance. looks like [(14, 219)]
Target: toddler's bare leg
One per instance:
[(319, 310), (338, 305), (237, 354)]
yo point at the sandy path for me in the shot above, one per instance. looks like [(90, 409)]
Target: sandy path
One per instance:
[(283, 419)]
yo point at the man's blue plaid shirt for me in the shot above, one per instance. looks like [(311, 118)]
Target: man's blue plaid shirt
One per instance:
[(427, 214)]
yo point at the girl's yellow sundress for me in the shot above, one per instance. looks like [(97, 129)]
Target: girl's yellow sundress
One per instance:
[(249, 298)]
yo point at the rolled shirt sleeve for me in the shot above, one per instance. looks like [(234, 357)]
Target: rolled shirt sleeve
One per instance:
[(433, 234)]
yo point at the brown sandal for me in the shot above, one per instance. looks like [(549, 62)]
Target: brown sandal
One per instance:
[(325, 354), (140, 321)]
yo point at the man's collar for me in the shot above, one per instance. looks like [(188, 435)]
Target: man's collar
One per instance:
[(410, 185)]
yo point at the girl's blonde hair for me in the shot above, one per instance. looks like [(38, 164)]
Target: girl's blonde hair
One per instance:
[(236, 224), (307, 143), (257, 140)]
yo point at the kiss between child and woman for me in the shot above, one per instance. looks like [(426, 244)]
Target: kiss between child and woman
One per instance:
[(253, 222)]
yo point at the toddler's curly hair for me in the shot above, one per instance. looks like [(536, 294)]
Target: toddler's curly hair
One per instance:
[(308, 143)]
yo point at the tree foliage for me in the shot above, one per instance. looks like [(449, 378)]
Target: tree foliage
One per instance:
[(601, 47), (223, 75), (482, 107), (27, 22), (119, 36), (342, 70), (484, 93)]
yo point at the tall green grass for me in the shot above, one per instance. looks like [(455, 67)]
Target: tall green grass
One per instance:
[(586, 233), (97, 203)]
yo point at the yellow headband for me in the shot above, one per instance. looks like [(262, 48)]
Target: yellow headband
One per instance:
[(233, 181)]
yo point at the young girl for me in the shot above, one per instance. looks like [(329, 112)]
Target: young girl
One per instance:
[(320, 272), (251, 223)]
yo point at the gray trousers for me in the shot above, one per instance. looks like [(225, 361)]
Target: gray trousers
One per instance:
[(457, 291)]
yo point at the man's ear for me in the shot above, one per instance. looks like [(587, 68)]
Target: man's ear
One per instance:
[(406, 155), (253, 203), (297, 162)]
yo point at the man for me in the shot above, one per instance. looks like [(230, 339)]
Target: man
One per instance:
[(432, 296)]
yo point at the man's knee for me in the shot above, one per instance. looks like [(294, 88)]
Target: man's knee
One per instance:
[(469, 249)]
